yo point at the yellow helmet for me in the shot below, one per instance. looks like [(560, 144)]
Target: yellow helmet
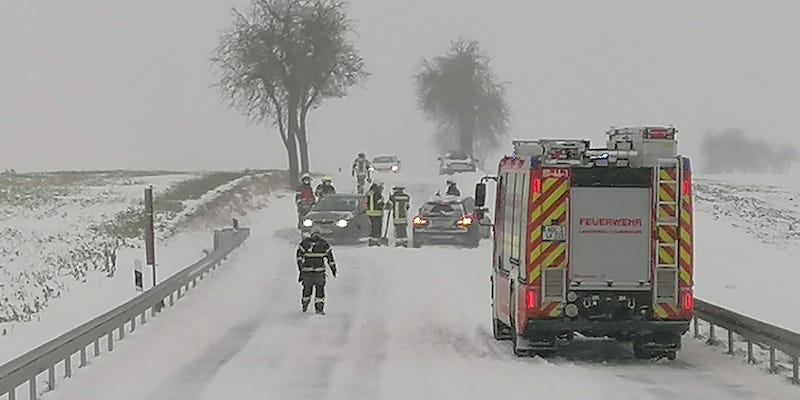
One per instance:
[(326, 179)]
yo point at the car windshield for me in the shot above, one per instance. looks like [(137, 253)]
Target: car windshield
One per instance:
[(384, 159), (330, 203), (441, 209)]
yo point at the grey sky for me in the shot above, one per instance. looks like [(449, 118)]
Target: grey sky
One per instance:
[(92, 83)]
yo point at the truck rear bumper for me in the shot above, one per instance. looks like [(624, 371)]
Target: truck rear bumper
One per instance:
[(538, 327)]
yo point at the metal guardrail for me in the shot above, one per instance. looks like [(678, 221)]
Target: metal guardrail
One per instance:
[(27, 367), (752, 331)]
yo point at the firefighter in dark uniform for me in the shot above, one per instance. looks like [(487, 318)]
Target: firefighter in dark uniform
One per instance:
[(375, 207), (400, 203), (311, 255), (324, 188), (452, 189)]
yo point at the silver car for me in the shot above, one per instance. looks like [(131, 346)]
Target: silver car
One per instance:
[(338, 218), (445, 220)]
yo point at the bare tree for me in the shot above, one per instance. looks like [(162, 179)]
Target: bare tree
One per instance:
[(460, 92), (282, 59)]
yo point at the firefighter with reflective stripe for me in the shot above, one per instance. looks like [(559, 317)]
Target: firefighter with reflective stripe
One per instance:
[(375, 208), (311, 255), (361, 170), (324, 188), (400, 203), (304, 198)]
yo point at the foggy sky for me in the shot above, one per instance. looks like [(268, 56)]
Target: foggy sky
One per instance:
[(88, 84)]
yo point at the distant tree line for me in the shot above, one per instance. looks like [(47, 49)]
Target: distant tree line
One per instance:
[(731, 150)]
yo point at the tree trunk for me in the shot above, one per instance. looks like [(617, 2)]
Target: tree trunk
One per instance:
[(466, 132), (292, 114), (291, 153), (302, 140)]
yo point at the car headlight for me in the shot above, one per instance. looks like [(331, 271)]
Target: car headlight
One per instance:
[(342, 223), (307, 222), (395, 168)]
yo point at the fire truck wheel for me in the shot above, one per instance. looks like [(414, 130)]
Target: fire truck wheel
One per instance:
[(500, 331)]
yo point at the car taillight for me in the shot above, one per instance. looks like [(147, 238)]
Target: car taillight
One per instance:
[(465, 220), (531, 300), (419, 221)]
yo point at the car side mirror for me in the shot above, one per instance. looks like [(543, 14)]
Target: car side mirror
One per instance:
[(480, 194)]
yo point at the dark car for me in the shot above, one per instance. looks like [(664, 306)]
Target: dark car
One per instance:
[(445, 220), (338, 218)]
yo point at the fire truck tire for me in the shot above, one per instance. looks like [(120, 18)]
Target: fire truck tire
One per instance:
[(500, 331)]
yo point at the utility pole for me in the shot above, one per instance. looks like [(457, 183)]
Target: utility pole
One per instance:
[(149, 231)]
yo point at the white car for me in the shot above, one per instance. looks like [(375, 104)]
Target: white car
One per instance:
[(386, 163), (453, 162)]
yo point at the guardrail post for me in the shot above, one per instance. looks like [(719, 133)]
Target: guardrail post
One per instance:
[(171, 299), (144, 317), (32, 395), (83, 357), (696, 327), (730, 342), (773, 367), (750, 358), (795, 371), (110, 341), (12, 394), (51, 378), (122, 331), (68, 366), (133, 324), (97, 347), (712, 338)]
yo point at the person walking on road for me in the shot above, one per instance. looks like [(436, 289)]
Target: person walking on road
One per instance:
[(312, 253)]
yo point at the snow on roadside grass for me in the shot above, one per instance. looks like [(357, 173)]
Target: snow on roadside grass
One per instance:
[(100, 291), (61, 226)]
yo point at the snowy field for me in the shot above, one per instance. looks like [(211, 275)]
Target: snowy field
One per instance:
[(53, 271), (401, 324), (747, 234)]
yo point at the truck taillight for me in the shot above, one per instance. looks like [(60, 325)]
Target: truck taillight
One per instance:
[(687, 301), (687, 186), (537, 185), (531, 299)]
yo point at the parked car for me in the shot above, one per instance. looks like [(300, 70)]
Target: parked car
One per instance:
[(485, 224), (445, 220), (454, 162), (386, 163), (338, 218)]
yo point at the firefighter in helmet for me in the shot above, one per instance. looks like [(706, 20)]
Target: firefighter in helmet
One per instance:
[(452, 189), (312, 253), (375, 206), (324, 188), (304, 198), (400, 203), (361, 170)]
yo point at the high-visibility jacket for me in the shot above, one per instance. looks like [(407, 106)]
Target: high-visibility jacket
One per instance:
[(400, 204), (361, 167), (304, 194), (311, 256), (374, 203)]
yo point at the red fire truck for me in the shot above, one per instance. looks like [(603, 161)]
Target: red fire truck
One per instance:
[(593, 241)]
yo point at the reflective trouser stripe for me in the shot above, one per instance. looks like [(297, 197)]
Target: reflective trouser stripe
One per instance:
[(312, 269), (319, 300), (306, 299)]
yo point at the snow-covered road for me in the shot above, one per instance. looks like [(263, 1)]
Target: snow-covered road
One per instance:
[(401, 324)]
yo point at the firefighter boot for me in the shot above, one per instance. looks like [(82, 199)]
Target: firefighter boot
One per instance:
[(319, 306), (305, 302)]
